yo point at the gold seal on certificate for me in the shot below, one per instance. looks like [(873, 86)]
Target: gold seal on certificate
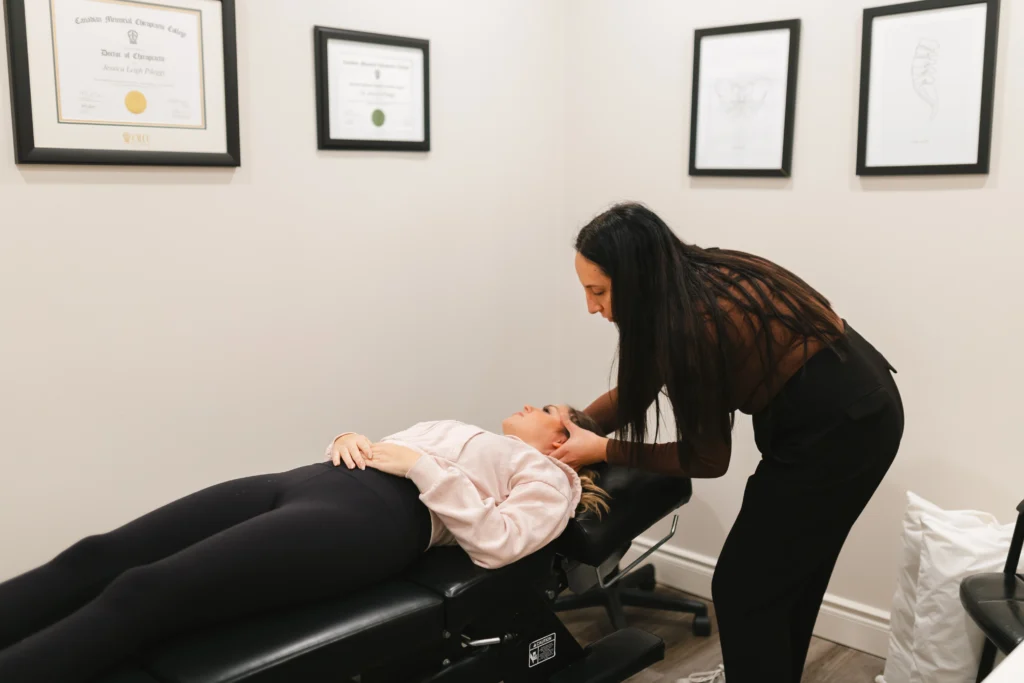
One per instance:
[(135, 102), (124, 81), (372, 91)]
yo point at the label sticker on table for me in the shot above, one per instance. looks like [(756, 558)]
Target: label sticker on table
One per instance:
[(542, 650)]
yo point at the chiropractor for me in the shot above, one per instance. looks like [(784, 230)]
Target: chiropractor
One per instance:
[(719, 331)]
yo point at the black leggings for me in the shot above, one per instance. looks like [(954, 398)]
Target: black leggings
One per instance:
[(827, 441), (228, 551)]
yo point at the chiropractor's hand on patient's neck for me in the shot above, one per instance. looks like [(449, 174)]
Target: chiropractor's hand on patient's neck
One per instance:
[(583, 448)]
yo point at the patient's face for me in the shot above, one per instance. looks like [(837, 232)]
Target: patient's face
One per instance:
[(539, 427)]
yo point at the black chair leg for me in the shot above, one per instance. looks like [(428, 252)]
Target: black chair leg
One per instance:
[(632, 597), (988, 660), (636, 590)]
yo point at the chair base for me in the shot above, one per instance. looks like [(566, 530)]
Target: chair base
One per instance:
[(635, 590)]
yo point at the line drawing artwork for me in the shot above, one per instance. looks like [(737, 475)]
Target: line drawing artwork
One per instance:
[(742, 98), (924, 72)]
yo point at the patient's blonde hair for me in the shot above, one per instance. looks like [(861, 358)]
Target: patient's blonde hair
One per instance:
[(594, 499)]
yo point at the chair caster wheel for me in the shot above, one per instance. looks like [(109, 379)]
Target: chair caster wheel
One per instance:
[(702, 626)]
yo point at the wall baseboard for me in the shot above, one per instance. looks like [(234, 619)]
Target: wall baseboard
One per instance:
[(841, 621)]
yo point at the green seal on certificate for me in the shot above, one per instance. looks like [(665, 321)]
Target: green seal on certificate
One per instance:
[(378, 118)]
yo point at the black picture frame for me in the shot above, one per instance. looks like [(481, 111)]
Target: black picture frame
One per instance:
[(322, 35), (28, 152), (785, 168), (987, 93)]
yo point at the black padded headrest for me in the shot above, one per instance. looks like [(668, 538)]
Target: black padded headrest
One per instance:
[(639, 500)]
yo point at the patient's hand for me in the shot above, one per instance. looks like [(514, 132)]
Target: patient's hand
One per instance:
[(393, 459), (352, 449)]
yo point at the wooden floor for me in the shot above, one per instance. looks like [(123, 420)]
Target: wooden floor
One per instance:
[(686, 653)]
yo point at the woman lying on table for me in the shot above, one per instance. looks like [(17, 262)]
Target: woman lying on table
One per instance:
[(275, 540)]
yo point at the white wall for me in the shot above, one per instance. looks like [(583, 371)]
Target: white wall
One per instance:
[(162, 330), (928, 269)]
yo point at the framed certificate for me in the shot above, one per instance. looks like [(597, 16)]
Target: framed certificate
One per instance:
[(927, 88), (372, 91), (124, 82), (744, 99)]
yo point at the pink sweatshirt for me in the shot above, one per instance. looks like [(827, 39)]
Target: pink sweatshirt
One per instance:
[(497, 497)]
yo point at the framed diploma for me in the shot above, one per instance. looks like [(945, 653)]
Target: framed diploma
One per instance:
[(927, 87), (124, 82), (372, 91), (744, 99)]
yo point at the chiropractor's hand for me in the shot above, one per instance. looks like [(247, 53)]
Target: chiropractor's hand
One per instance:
[(351, 449), (393, 459), (583, 447)]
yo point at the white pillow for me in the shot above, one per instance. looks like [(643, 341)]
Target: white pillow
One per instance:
[(947, 643), (899, 665)]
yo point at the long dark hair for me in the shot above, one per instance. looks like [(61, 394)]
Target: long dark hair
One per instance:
[(670, 301)]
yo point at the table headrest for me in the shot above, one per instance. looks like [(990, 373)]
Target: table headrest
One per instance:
[(638, 500)]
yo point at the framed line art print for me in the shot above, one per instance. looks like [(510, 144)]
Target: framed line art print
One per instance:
[(744, 99), (927, 88), (125, 82), (372, 91)]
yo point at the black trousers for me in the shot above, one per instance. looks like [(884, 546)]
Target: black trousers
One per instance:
[(228, 551), (827, 441)]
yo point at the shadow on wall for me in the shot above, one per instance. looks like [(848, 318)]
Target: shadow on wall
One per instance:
[(733, 183), (695, 515), (935, 183), (127, 175)]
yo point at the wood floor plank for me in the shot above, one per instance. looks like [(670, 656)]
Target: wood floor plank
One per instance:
[(686, 653)]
